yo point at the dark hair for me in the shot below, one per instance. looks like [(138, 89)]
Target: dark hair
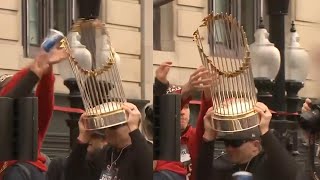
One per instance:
[(148, 120), (149, 113)]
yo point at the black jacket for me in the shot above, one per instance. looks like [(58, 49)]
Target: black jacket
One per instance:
[(273, 163), (159, 88), (135, 163)]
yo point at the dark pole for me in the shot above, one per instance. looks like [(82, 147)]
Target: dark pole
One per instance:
[(277, 11), (75, 102), (285, 130)]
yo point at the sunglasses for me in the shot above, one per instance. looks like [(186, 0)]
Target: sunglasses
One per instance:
[(234, 143)]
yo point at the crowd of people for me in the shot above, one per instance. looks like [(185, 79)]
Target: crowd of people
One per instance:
[(124, 152)]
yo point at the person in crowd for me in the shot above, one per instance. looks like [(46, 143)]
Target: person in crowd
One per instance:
[(57, 166), (183, 169), (21, 85), (264, 157), (128, 155)]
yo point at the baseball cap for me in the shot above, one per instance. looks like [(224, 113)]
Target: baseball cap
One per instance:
[(4, 79), (250, 134)]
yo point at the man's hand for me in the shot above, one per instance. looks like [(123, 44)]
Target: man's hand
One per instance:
[(84, 135), (200, 80), (265, 117), (162, 72), (209, 133), (44, 61), (306, 105), (133, 116), (57, 55)]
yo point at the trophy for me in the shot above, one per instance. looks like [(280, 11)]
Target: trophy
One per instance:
[(227, 56), (94, 64)]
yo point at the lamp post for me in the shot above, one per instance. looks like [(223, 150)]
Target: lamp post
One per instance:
[(265, 64), (289, 65), (296, 69), (277, 11)]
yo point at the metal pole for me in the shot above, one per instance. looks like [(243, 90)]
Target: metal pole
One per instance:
[(75, 102), (277, 11)]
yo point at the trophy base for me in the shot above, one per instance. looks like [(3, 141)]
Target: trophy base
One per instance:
[(237, 123), (107, 120)]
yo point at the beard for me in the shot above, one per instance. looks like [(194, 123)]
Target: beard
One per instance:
[(96, 157)]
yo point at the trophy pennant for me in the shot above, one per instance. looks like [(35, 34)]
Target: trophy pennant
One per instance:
[(227, 54), (94, 65)]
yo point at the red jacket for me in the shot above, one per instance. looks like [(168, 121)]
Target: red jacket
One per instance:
[(45, 94), (192, 139), (177, 167)]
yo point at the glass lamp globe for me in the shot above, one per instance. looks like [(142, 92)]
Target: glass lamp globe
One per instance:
[(104, 51), (265, 57), (297, 59), (79, 52)]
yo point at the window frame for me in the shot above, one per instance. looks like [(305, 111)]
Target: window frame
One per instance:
[(157, 4), (46, 20)]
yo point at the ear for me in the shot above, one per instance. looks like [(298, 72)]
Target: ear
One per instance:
[(257, 144)]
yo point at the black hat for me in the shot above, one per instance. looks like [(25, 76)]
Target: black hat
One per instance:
[(4, 79), (250, 134)]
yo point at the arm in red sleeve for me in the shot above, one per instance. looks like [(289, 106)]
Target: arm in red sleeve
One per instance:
[(205, 105), (14, 81), (45, 94)]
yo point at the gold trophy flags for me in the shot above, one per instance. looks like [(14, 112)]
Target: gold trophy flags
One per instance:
[(224, 50)]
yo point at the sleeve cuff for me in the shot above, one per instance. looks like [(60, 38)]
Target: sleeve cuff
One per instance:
[(136, 135), (267, 138)]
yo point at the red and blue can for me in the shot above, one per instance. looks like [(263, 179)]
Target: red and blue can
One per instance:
[(51, 40)]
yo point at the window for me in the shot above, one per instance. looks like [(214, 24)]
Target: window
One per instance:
[(162, 14), (246, 11), (38, 16)]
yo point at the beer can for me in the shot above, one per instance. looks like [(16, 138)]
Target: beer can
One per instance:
[(242, 175), (51, 40)]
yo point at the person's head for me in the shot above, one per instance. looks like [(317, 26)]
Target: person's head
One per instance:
[(242, 151), (118, 136), (147, 123), (4, 79), (184, 117), (96, 143)]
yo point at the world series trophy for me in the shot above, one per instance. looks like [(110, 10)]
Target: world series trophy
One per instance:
[(228, 58), (94, 64)]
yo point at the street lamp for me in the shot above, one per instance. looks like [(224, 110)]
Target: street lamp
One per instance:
[(83, 56), (296, 69), (280, 70), (265, 63)]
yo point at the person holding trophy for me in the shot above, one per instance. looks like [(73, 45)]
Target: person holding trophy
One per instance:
[(235, 116)]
